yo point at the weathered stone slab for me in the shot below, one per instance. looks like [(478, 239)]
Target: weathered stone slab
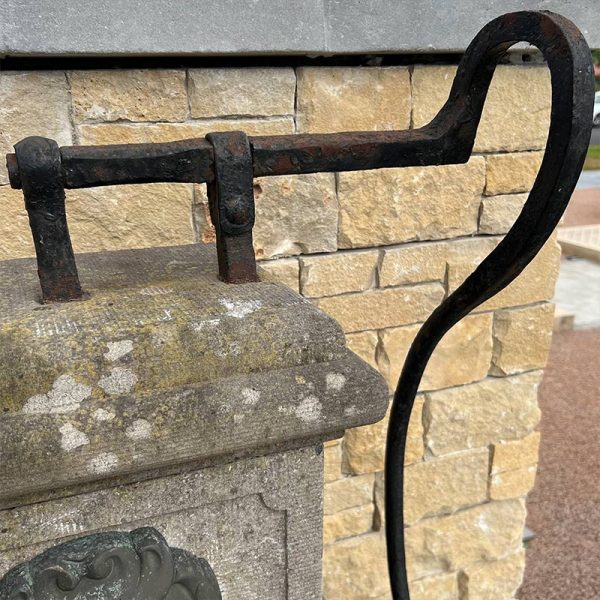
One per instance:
[(257, 522), (164, 365)]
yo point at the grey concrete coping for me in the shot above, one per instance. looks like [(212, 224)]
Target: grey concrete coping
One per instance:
[(261, 27), (165, 365)]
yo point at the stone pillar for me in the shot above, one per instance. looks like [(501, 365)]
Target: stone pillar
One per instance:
[(172, 400)]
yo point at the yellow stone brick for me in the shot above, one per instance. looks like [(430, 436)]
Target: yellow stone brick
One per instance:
[(509, 456), (463, 355), (355, 569), (459, 480), (116, 217), (499, 213), (514, 467), (522, 339), (15, 232), (481, 533), (334, 99), (379, 309), (481, 413), (440, 587), (497, 580), (332, 463), (129, 94), (413, 263), (364, 447), (347, 523), (364, 344), (333, 274), (348, 492), (294, 215), (390, 206), (243, 92), (535, 284), (146, 133), (32, 103), (512, 484), (285, 270), (512, 173), (517, 110)]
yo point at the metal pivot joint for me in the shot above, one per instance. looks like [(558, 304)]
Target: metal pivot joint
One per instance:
[(227, 162), (231, 199)]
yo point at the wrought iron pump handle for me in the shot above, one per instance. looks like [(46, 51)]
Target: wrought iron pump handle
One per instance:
[(229, 161)]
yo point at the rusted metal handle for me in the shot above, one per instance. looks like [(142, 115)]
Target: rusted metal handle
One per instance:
[(569, 60)]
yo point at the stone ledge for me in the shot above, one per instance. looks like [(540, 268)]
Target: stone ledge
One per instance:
[(164, 365), (229, 27)]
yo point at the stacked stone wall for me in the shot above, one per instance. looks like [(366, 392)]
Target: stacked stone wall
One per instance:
[(378, 251)]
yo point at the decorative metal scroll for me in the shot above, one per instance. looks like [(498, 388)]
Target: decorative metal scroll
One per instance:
[(229, 161), (112, 566)]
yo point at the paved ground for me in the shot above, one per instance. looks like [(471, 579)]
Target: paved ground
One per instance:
[(563, 561), (578, 291)]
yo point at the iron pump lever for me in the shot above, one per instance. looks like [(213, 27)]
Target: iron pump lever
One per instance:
[(227, 162)]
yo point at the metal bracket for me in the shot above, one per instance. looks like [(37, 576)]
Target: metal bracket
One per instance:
[(231, 198), (227, 162), (39, 163)]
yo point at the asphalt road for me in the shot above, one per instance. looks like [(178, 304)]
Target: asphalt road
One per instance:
[(595, 137)]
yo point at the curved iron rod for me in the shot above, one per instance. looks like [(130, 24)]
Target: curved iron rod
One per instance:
[(569, 60)]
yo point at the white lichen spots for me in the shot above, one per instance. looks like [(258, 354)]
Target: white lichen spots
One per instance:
[(240, 308), (65, 396), (206, 324), (72, 438), (103, 463), (117, 350), (350, 411), (120, 381), (335, 381), (237, 419), (103, 415), (250, 397), (155, 291), (309, 410), (167, 315), (140, 429), (53, 327)]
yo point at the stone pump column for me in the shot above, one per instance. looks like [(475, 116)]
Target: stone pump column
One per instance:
[(167, 399)]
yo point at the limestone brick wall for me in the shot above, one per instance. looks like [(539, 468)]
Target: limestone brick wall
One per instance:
[(377, 250)]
